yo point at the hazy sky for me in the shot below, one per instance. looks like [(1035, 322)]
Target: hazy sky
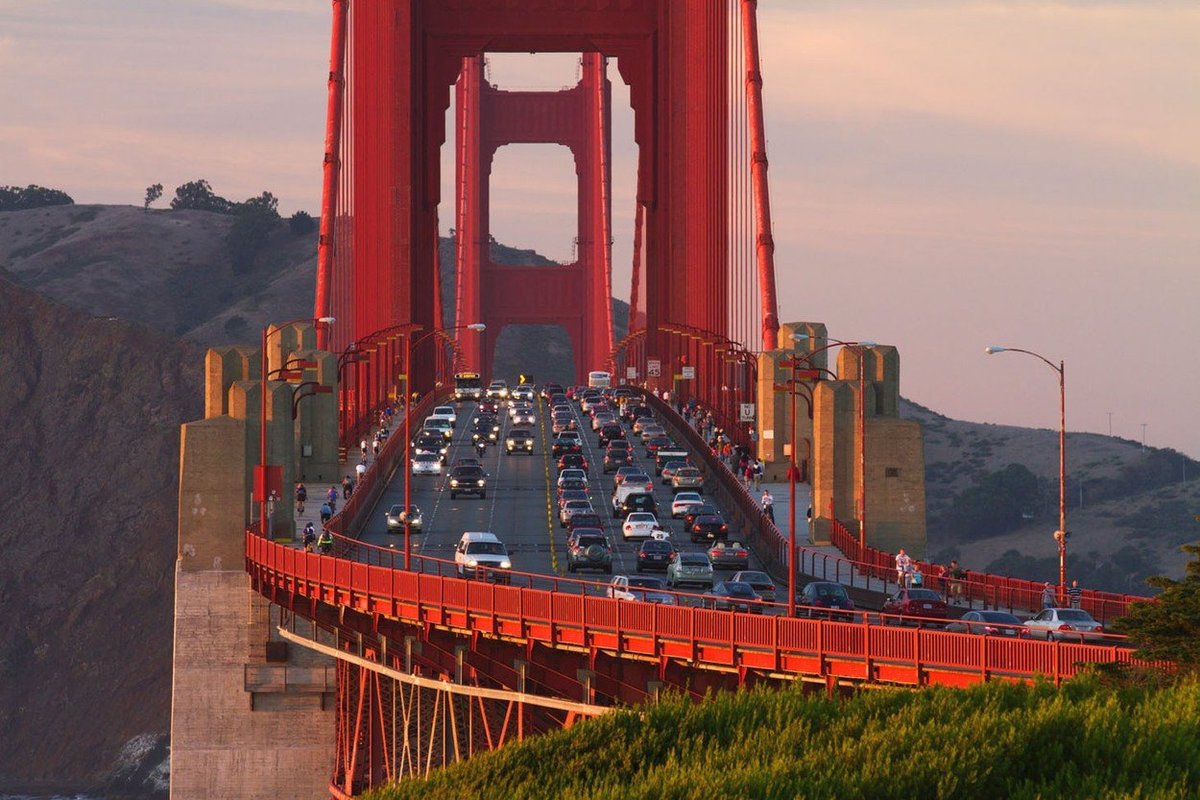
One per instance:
[(945, 174)]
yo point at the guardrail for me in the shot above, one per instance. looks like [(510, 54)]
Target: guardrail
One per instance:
[(876, 568)]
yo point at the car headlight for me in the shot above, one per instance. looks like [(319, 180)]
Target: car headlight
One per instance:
[(472, 562), (511, 443), (454, 482), (481, 482), (506, 564)]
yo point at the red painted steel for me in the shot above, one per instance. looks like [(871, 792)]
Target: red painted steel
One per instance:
[(332, 167)]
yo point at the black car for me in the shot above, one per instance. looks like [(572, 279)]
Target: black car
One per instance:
[(638, 501), (430, 443), (589, 551), (989, 623), (562, 446), (632, 413), (708, 527), (734, 596), (701, 510), (581, 521), (611, 431), (615, 458), (572, 461), (485, 427), (655, 554), (468, 480), (820, 595), (519, 441)]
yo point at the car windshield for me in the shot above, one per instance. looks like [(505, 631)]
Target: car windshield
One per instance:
[(588, 541), (579, 504), (693, 561), (1075, 615), (647, 583), (642, 516), (688, 497), (833, 590), (518, 434), (999, 617), (736, 589), (754, 578), (656, 546), (444, 411), (688, 472), (468, 472), (425, 458), (485, 548)]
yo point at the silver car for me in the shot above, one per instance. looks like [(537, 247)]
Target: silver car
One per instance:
[(638, 587), (687, 478), (760, 582), (426, 464), (1065, 624), (690, 568), (396, 518)]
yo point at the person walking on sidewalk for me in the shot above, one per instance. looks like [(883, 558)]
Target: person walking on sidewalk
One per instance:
[(331, 498), (768, 504), (1048, 596), (758, 472), (310, 537), (1075, 594), (903, 568), (301, 496)]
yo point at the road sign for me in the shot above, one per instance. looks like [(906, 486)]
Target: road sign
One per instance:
[(653, 368), (687, 373), (747, 412), (631, 373), (768, 434)]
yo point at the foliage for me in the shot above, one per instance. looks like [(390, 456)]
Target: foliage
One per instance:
[(1125, 571), (994, 504), (16, 198), (255, 221), (1169, 628), (301, 223), (152, 194), (198, 195), (994, 740)]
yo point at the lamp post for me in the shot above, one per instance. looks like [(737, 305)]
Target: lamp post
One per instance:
[(792, 387), (409, 344), (1061, 534), (261, 477)]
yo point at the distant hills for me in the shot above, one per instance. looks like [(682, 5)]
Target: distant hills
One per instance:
[(93, 406)]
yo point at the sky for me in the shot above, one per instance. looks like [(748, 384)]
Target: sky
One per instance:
[(945, 174)]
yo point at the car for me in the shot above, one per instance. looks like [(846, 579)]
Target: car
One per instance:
[(566, 443), (989, 623), (702, 510), (487, 407), (1064, 624), (440, 426), (572, 473), (571, 508), (468, 461), (431, 442), (561, 425), (729, 555), (584, 521), (468, 480), (681, 501), (551, 389), (518, 440), (497, 390), (567, 495), (656, 443), (644, 421), (668, 469), (924, 603), (524, 392), (615, 458), (649, 430), (760, 582), (639, 525), (600, 419), (624, 490), (693, 569), (445, 412), (396, 518), (655, 554), (621, 444), (665, 456), (588, 399), (708, 526), (818, 595), (566, 484), (733, 596), (486, 428), (634, 474), (611, 432), (634, 503), (523, 416), (480, 553), (648, 590), (426, 464), (589, 551), (634, 412), (687, 478)]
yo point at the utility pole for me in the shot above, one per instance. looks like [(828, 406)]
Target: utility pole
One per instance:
[(1110, 423), (1143, 436)]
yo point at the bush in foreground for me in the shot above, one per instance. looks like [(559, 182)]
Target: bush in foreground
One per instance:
[(995, 740)]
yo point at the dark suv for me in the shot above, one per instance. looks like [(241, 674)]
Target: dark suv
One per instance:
[(566, 444), (519, 441), (589, 551), (615, 458), (610, 431), (638, 501), (468, 480)]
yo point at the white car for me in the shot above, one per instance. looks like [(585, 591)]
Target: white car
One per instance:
[(524, 416), (639, 525), (441, 426), (426, 464), (497, 390), (681, 502), (1064, 624), (571, 508), (523, 392), (644, 588), (482, 549), (445, 412), (571, 472)]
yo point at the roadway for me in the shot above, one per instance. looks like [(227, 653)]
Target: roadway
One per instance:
[(521, 506)]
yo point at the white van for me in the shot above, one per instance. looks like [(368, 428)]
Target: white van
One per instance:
[(482, 549)]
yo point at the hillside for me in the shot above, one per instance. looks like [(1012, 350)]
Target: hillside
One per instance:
[(990, 741), (92, 409)]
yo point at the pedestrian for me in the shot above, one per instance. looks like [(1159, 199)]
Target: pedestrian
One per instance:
[(759, 467), (768, 504), (331, 497), (310, 537), (361, 469), (375, 446), (1075, 593), (362, 446), (347, 487), (1048, 596), (326, 513), (903, 567), (301, 496), (915, 579), (954, 576)]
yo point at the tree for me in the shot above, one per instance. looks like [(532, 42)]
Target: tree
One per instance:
[(254, 222), (301, 223), (198, 195), (1169, 626), (265, 201), (16, 198), (994, 504), (152, 194)]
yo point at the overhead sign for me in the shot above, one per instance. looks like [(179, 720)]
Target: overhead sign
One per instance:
[(747, 412), (687, 373), (653, 367), (631, 373)]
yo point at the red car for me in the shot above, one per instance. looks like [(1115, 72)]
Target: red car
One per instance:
[(572, 461), (916, 603)]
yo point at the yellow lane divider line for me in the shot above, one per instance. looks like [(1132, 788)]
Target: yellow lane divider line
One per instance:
[(546, 470)]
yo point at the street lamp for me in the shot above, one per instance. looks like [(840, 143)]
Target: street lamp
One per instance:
[(1061, 534), (260, 479), (792, 387), (409, 344)]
